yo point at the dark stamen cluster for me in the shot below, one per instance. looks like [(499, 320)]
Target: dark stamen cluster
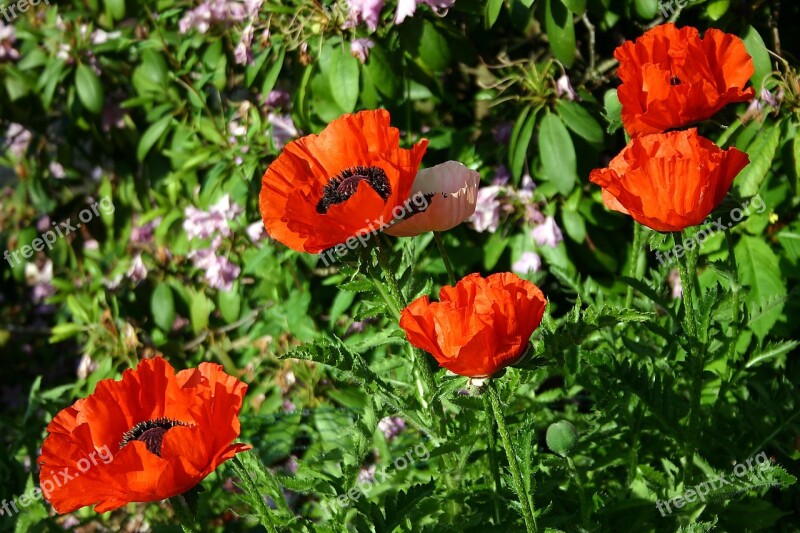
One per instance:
[(674, 80), (151, 432), (340, 188)]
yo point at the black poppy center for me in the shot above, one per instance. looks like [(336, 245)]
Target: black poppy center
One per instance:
[(341, 187), (674, 80), (151, 432)]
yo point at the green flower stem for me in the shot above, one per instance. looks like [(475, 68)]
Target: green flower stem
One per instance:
[(451, 276), (638, 233), (688, 271), (493, 463), (388, 273), (182, 512), (527, 505), (687, 290), (584, 502), (423, 372)]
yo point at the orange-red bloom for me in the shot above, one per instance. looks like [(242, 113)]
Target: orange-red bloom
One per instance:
[(669, 181), (151, 436), (479, 326), (671, 77), (326, 188)]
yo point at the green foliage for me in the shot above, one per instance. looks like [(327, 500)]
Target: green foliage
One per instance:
[(617, 406)]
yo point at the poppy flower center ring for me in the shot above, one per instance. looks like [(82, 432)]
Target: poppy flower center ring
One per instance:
[(151, 432), (340, 188)]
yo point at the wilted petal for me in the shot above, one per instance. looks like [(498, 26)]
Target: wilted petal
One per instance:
[(454, 188)]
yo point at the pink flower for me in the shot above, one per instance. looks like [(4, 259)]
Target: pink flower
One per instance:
[(56, 170), (283, 129), (256, 231), (17, 139), (40, 277), (406, 8), (219, 272), (675, 285), (487, 209), (547, 233), (278, 98), (367, 11), (138, 271), (366, 475), (359, 48), (564, 88), (86, 366), (204, 224), (222, 12), (7, 38), (144, 234), (527, 263), (243, 54), (392, 426), (99, 36)]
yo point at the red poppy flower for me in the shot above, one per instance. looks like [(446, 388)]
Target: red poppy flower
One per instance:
[(151, 436), (671, 77), (669, 181), (479, 326), (324, 189)]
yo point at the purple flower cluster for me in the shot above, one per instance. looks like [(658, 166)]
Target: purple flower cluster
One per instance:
[(7, 38), (369, 11), (392, 426), (220, 273), (359, 48), (223, 12)]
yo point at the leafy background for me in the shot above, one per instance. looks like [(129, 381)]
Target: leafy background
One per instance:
[(111, 99)]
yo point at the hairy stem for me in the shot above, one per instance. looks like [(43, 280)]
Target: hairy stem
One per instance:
[(528, 512)]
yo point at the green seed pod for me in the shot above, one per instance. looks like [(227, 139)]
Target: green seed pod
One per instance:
[(561, 437)]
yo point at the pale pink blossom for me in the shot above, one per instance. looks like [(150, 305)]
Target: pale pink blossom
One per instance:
[(243, 54), (392, 426), (366, 11), (204, 224), (256, 232), (220, 273), (359, 48), (564, 88), (528, 263), (138, 270), (283, 128), (547, 233), (487, 209), (407, 8)]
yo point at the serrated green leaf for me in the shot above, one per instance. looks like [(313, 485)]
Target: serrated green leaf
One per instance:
[(761, 152), (760, 271)]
